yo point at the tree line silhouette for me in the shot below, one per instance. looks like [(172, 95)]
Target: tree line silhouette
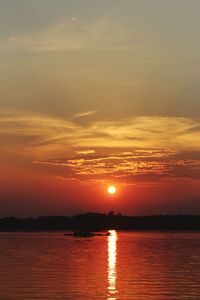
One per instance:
[(98, 221)]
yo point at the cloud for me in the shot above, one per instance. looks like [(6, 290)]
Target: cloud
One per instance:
[(84, 114), (194, 129), (135, 149), (134, 132), (139, 166), (85, 152), (72, 34)]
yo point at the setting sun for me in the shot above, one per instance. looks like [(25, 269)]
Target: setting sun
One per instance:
[(112, 189)]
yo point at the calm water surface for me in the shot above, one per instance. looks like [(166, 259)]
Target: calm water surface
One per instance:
[(125, 265)]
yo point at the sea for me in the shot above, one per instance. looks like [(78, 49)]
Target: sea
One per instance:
[(125, 265)]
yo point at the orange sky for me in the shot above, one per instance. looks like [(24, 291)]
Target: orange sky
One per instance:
[(95, 93), (43, 174)]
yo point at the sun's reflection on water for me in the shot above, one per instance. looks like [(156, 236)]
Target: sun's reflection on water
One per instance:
[(112, 258)]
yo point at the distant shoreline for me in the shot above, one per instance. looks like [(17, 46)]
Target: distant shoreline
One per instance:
[(101, 222), (118, 230)]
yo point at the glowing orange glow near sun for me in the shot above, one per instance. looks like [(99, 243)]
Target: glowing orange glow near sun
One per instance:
[(112, 189)]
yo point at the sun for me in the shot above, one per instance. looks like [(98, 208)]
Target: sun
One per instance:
[(112, 189)]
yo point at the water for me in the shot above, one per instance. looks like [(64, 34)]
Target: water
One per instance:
[(125, 265)]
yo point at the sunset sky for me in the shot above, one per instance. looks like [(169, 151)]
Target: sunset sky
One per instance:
[(96, 93)]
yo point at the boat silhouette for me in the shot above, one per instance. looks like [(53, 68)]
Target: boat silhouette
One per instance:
[(81, 233)]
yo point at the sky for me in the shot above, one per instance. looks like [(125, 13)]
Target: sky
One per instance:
[(97, 93)]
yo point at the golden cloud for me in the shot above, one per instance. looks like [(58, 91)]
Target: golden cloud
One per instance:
[(139, 148)]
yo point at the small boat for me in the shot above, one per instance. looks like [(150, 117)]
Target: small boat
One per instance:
[(78, 233), (102, 234)]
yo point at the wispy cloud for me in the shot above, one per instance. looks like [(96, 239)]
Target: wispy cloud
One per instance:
[(85, 152), (84, 114), (129, 150), (72, 34), (141, 166), (194, 129), (134, 132)]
